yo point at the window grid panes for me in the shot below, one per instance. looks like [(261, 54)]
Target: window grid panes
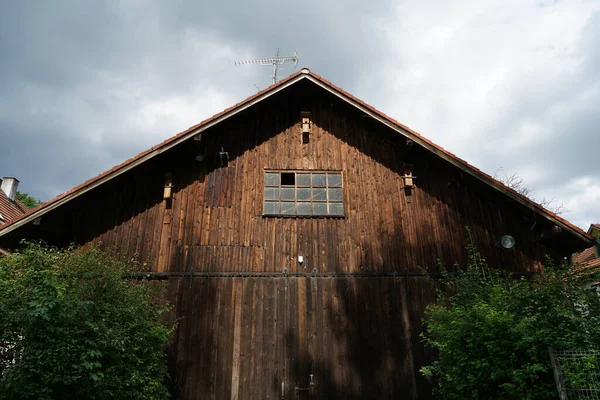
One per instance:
[(303, 193)]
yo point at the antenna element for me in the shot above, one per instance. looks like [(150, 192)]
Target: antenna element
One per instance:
[(274, 62)]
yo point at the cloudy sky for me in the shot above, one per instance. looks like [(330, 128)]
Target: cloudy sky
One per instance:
[(503, 84)]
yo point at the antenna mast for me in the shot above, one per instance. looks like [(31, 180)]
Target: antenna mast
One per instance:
[(274, 62)]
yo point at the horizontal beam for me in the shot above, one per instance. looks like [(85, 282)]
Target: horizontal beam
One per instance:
[(405, 274)]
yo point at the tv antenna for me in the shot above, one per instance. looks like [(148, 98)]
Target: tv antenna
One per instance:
[(274, 62)]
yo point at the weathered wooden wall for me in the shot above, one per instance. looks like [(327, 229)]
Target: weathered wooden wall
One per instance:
[(215, 222), (244, 337), (241, 337)]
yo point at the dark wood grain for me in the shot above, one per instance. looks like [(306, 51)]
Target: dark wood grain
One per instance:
[(242, 337)]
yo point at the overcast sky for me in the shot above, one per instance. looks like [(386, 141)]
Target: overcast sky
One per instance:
[(503, 84)]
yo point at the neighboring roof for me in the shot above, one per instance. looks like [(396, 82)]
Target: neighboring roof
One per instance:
[(586, 256), (250, 101), (10, 210), (593, 227), (587, 262)]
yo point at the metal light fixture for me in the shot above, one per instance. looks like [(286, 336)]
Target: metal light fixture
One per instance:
[(201, 149), (506, 242), (224, 157)]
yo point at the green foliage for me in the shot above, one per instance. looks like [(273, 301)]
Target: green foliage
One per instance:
[(71, 327), (492, 331), (28, 201), (580, 371)]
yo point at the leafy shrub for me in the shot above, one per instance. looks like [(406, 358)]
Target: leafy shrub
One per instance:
[(492, 331), (71, 327)]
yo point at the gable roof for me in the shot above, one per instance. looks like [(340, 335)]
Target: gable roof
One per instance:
[(303, 74), (10, 210), (587, 262), (588, 255)]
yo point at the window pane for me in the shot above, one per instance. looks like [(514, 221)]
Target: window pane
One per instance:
[(319, 194), (318, 179), (288, 178), (336, 209), (303, 193), (287, 208), (271, 193), (303, 180), (271, 207), (335, 194), (272, 179), (334, 179), (319, 208), (303, 208), (287, 193)]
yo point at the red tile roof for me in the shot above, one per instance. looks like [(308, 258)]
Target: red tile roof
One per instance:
[(587, 262), (302, 74), (10, 210), (586, 255)]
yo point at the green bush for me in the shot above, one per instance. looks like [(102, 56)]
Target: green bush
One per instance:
[(492, 331), (71, 327)]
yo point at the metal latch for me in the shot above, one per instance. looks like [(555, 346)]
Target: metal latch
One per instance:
[(310, 388)]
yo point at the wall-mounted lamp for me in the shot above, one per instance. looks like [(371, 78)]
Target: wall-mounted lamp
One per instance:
[(224, 156), (200, 157), (506, 242), (168, 189), (201, 148)]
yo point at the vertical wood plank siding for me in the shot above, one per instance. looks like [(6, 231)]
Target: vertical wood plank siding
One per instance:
[(214, 221), (355, 335), (241, 338)]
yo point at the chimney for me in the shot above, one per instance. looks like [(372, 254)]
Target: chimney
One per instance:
[(9, 187)]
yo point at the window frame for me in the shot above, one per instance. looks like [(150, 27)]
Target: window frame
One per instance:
[(279, 201)]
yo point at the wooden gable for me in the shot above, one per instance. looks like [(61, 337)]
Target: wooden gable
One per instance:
[(254, 321)]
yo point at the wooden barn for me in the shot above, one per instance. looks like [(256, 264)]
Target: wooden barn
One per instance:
[(293, 230)]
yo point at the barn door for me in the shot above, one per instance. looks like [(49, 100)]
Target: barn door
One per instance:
[(262, 337), (298, 339), (349, 338), (302, 340)]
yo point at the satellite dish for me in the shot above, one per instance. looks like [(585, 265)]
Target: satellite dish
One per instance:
[(507, 242)]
